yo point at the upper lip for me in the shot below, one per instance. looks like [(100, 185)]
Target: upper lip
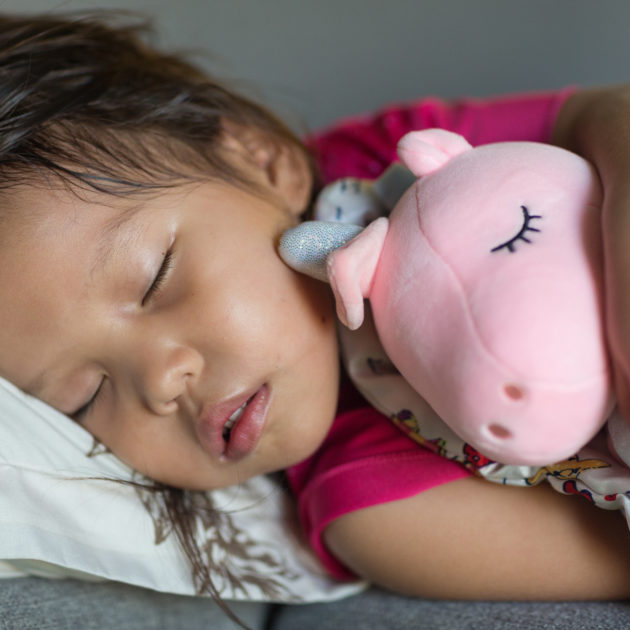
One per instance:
[(212, 420)]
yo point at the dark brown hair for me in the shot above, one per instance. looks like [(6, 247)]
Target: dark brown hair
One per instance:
[(86, 103), (86, 100)]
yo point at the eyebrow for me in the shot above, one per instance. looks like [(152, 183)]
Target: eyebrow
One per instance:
[(111, 232)]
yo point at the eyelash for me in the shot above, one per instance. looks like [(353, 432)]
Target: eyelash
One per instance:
[(160, 277), (510, 244), (80, 413), (152, 291)]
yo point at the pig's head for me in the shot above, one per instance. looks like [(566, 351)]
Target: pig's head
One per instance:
[(485, 286)]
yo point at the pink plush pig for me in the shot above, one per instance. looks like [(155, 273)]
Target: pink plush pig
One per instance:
[(485, 285)]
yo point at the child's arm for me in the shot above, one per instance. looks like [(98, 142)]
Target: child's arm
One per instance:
[(596, 124), (471, 539)]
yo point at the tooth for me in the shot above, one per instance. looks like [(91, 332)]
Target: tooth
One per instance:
[(231, 421), (236, 415)]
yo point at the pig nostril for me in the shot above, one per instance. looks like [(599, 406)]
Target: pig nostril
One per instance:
[(513, 392), (499, 431)]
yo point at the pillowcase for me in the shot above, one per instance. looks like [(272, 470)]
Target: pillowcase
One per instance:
[(63, 515)]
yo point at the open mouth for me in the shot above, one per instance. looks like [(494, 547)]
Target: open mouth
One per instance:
[(235, 436), (234, 418)]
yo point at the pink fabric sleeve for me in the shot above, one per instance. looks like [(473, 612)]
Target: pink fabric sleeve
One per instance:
[(364, 461), (364, 146)]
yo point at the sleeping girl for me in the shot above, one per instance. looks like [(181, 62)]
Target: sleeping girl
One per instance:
[(143, 297)]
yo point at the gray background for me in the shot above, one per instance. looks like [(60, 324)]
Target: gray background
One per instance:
[(314, 61)]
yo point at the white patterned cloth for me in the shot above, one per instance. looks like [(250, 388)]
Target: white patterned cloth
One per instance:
[(62, 516)]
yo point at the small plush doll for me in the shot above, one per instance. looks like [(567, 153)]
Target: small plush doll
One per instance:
[(485, 284)]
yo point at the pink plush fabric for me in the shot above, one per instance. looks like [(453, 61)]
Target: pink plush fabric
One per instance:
[(486, 289), (363, 147)]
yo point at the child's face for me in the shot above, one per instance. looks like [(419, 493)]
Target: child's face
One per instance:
[(226, 323)]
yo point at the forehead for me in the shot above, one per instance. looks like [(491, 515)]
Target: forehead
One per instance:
[(31, 214), (54, 221)]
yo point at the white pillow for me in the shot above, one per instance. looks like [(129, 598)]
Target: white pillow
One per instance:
[(58, 517)]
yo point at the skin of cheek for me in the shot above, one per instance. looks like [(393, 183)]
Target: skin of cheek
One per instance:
[(299, 439), (305, 364), (304, 373), (308, 373)]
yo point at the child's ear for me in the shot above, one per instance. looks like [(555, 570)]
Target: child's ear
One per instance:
[(280, 166)]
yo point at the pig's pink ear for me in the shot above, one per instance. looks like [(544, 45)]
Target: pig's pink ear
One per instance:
[(351, 271), (425, 151)]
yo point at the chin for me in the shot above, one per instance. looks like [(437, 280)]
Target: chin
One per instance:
[(304, 444)]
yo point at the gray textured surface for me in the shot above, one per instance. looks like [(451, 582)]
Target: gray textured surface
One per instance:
[(331, 58), (38, 604), (376, 610), (41, 604)]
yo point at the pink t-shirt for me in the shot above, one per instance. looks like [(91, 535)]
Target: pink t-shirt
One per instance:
[(366, 460), (364, 146)]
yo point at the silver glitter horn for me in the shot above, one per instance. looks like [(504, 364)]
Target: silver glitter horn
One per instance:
[(305, 248)]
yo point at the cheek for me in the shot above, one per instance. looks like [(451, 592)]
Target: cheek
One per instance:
[(272, 300), (255, 313), (308, 410), (310, 343), (307, 319), (163, 451)]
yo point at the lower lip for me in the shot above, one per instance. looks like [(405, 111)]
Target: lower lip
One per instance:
[(249, 428)]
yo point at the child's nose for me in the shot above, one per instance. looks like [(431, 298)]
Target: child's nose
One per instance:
[(168, 376)]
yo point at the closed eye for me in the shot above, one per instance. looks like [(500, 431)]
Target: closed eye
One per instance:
[(160, 277), (510, 244), (79, 414)]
